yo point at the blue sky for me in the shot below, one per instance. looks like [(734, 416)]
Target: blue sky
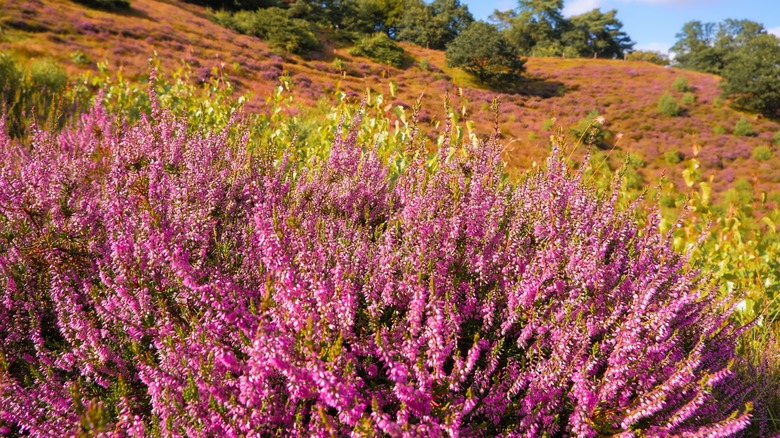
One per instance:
[(652, 24)]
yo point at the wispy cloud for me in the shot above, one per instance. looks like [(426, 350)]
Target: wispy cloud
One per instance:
[(576, 7), (654, 47)]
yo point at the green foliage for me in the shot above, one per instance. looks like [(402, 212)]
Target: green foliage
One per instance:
[(548, 124), (673, 157), (424, 64), (743, 128), (776, 138), (109, 5), (718, 130), (596, 34), (80, 58), (762, 153), (688, 99), (681, 84), (751, 78), (649, 56), (30, 93), (435, 25), (380, 48), (275, 25), (668, 105), (590, 130), (538, 28), (483, 51)]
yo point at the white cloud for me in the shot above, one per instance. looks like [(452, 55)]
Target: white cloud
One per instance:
[(654, 47), (576, 7), (774, 31)]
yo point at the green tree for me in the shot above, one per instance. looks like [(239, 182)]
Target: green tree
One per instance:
[(435, 25), (380, 15), (597, 34), (751, 78), (483, 50), (537, 26), (695, 48)]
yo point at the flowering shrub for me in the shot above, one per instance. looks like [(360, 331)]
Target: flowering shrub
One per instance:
[(163, 282)]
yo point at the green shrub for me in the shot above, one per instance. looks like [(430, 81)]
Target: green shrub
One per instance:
[(718, 130), (743, 128), (681, 84), (380, 48), (648, 56), (667, 105), (10, 77), (673, 157), (292, 35), (48, 75), (80, 58), (688, 99), (424, 64), (762, 153), (776, 138), (548, 124), (590, 130)]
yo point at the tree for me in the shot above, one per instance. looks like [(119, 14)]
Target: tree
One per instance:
[(381, 15), (695, 48), (597, 34), (484, 51), (538, 27), (435, 25), (752, 75)]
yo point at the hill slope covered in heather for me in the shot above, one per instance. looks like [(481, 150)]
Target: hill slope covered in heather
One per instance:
[(557, 93)]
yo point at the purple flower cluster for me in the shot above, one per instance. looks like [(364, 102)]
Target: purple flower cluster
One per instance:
[(155, 282)]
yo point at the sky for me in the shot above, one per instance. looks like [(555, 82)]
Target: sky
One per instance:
[(652, 24)]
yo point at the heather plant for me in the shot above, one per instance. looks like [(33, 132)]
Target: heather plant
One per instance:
[(160, 280)]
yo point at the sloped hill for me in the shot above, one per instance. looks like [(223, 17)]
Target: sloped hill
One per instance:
[(557, 92)]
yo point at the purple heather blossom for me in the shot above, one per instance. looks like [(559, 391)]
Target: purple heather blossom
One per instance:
[(159, 282)]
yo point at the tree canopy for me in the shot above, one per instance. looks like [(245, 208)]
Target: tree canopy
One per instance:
[(435, 25), (485, 52), (538, 28)]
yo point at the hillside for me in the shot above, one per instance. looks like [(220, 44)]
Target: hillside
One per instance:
[(557, 92)]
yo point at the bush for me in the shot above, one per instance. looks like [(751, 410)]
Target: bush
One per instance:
[(762, 153), (485, 52), (292, 35), (165, 283), (30, 93), (591, 129), (649, 56), (743, 128), (380, 48), (776, 138), (688, 99), (673, 157), (681, 84), (667, 105), (718, 130)]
